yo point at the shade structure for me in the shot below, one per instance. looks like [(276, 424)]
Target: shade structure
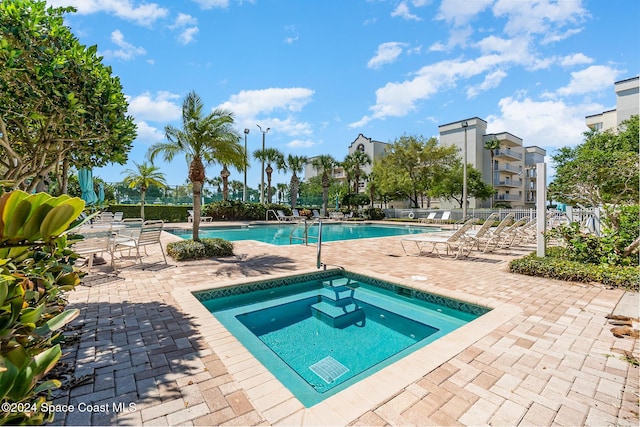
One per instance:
[(85, 178)]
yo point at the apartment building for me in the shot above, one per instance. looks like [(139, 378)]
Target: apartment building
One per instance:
[(513, 169), (627, 104)]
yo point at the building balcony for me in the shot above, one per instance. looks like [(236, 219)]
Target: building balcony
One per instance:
[(507, 153), (506, 167), (513, 183), (506, 197)]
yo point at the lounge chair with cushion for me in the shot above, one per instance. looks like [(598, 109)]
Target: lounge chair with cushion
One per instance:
[(282, 217), (455, 245), (446, 215)]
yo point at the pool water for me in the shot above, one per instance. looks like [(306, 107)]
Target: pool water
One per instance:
[(319, 335), (280, 234)]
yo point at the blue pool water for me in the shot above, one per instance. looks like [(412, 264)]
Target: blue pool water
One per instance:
[(279, 234), (320, 333)]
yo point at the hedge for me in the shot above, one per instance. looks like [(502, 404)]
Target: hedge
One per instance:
[(167, 213), (205, 248), (561, 269)]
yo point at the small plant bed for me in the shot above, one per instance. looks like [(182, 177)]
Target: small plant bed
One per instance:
[(554, 266), (205, 248)]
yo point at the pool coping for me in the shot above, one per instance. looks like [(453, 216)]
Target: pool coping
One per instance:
[(279, 406)]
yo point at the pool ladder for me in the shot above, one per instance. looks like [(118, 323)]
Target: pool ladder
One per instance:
[(305, 238)]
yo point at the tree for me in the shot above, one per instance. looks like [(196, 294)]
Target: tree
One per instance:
[(354, 162), (602, 171), (450, 185), (411, 167), (203, 140), (282, 191), (144, 176), (295, 165), (59, 105), (492, 145), (325, 164), (269, 155)]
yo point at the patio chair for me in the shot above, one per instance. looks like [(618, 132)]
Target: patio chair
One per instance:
[(131, 229), (485, 228), (202, 218), (509, 235), (492, 237), (104, 218), (430, 218), (527, 233), (97, 240), (455, 245), (117, 216), (316, 214), (150, 233), (282, 217), (446, 215), (295, 214)]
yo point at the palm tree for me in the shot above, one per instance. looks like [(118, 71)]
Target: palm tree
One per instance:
[(269, 155), (355, 162), (325, 164), (491, 145), (295, 165), (144, 176), (282, 189), (203, 139)]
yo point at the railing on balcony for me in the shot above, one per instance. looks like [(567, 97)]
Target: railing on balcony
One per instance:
[(506, 197), (507, 152), (506, 167), (507, 183)]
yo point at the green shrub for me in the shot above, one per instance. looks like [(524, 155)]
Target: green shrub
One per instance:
[(555, 267), (205, 248), (373, 213), (167, 213), (232, 210)]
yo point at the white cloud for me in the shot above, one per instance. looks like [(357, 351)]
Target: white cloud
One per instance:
[(386, 54), (250, 103), (299, 143), (539, 16), (148, 134), (491, 80), (210, 4), (546, 124), (144, 14), (592, 79), (460, 12), (575, 59), (127, 51), (403, 12), (162, 108), (187, 35), (184, 20)]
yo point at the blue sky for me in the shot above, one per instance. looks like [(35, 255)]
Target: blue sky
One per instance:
[(318, 73)]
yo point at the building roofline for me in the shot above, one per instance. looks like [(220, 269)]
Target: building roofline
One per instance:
[(599, 114), (627, 80), (463, 120)]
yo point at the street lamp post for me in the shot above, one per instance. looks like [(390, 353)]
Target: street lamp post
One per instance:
[(264, 133), (464, 172), (246, 160)]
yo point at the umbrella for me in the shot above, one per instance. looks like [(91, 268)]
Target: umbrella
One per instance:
[(85, 178), (100, 193)]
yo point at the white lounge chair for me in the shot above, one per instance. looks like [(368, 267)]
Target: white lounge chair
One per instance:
[(446, 215), (430, 218), (492, 237), (484, 229), (510, 234), (455, 245), (202, 218), (282, 217)]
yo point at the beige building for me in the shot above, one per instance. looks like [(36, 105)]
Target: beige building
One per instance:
[(513, 163), (367, 145), (627, 104)]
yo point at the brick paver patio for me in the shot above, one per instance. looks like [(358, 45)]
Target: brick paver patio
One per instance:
[(146, 360)]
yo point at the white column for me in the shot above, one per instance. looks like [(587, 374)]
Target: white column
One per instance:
[(541, 207)]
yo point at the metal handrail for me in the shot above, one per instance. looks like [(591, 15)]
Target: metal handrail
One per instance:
[(319, 250)]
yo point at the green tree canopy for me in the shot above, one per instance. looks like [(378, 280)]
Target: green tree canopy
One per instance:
[(58, 103), (143, 177), (411, 166), (450, 185), (295, 165), (603, 170)]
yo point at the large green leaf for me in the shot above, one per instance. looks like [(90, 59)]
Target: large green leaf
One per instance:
[(57, 322), (8, 376)]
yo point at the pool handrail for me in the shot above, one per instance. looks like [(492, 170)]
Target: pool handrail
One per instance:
[(319, 250)]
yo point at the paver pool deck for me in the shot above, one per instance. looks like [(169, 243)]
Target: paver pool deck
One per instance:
[(548, 357)]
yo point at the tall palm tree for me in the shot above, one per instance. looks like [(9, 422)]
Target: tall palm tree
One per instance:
[(269, 155), (282, 189), (203, 139), (356, 161), (144, 176), (295, 165), (325, 164), (492, 145)]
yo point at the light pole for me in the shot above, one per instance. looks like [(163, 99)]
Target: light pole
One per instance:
[(464, 173), (264, 133), (246, 160)]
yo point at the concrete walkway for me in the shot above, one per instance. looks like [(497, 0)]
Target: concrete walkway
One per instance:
[(146, 358)]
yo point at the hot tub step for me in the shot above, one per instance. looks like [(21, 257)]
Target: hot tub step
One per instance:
[(338, 316)]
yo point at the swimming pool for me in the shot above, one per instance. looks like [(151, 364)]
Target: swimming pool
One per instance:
[(323, 332), (281, 234)]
